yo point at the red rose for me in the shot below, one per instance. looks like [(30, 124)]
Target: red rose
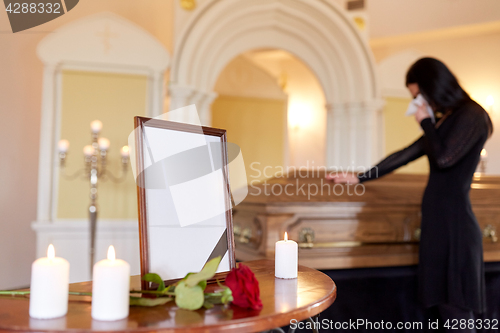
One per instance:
[(245, 287)]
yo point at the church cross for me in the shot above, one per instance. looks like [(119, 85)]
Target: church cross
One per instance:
[(106, 36)]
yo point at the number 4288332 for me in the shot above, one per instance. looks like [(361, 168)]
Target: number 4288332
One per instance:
[(41, 8)]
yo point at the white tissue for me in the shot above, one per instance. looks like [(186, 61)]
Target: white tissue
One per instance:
[(415, 103)]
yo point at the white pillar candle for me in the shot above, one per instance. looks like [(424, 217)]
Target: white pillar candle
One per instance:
[(49, 286), (110, 288), (286, 259)]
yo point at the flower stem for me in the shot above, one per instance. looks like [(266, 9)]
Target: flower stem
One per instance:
[(75, 293), (79, 293), (154, 292), (13, 293), (27, 292)]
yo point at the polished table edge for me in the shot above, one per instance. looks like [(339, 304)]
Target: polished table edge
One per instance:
[(248, 324)]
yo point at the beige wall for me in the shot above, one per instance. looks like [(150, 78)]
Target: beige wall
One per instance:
[(472, 54), (114, 99), (401, 131), (20, 101), (257, 126), (306, 106), (252, 108)]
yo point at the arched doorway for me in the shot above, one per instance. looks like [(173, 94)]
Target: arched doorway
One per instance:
[(316, 32), (273, 107)]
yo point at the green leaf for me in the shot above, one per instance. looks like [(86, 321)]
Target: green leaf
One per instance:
[(190, 298), (207, 305), (206, 273), (155, 278), (141, 301), (203, 284)]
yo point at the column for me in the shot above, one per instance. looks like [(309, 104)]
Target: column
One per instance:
[(180, 96), (336, 136), (203, 101), (47, 144)]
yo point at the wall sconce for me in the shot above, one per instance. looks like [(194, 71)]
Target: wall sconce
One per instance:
[(489, 104), (188, 4), (482, 161), (299, 115)]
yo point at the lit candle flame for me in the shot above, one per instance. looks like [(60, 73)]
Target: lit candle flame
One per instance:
[(125, 151), (111, 253), (286, 236), (96, 126), (63, 145), (88, 150), (484, 153), (51, 253)]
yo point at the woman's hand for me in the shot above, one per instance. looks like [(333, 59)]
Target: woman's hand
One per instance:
[(348, 178), (421, 113)]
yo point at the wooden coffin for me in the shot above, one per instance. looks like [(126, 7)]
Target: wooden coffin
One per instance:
[(344, 227)]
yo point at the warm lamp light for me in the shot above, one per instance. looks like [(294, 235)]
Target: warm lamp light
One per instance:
[(125, 151), (96, 126), (88, 150), (63, 145), (489, 104), (490, 101), (482, 163), (484, 154), (299, 114), (103, 144)]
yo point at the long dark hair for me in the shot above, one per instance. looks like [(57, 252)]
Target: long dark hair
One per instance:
[(437, 84)]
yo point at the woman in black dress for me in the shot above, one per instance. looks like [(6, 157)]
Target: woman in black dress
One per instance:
[(450, 270)]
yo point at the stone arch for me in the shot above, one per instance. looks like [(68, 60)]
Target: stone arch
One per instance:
[(317, 32)]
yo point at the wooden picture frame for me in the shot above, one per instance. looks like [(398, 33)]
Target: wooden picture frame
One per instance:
[(154, 219)]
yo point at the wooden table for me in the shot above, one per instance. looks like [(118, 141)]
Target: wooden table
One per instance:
[(282, 300)]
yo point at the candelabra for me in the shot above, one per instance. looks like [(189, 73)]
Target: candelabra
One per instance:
[(95, 170), (482, 161)]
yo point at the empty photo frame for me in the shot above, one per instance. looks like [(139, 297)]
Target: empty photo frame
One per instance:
[(184, 198)]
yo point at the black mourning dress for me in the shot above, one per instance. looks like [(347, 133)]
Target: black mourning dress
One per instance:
[(450, 267)]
